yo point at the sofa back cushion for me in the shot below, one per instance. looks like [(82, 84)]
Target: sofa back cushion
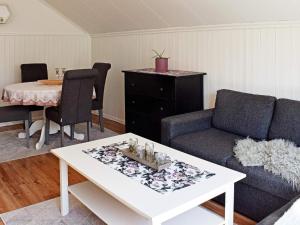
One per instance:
[(243, 114), (286, 121)]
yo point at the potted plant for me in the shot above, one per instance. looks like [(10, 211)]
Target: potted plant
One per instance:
[(161, 62)]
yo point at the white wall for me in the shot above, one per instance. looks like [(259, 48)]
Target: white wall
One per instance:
[(37, 33), (256, 58), (68, 51)]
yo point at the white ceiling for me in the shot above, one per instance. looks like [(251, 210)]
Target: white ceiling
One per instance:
[(102, 16)]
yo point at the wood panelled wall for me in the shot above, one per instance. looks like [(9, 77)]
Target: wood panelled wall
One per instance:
[(259, 58), (69, 51)]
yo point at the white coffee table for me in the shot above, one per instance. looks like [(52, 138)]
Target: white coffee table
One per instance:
[(120, 200)]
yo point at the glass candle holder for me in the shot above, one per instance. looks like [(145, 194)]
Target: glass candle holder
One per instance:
[(140, 152), (160, 158), (133, 143), (149, 150), (57, 73), (63, 71)]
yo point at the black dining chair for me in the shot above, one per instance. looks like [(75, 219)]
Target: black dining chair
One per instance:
[(97, 103), (76, 102), (33, 72), (16, 113)]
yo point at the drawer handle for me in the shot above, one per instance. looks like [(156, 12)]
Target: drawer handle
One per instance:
[(161, 108), (161, 89), (132, 84), (133, 102)]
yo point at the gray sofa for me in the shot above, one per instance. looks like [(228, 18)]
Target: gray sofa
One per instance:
[(211, 135)]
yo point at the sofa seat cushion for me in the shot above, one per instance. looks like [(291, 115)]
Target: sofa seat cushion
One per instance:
[(261, 179), (212, 144), (286, 121), (243, 114)]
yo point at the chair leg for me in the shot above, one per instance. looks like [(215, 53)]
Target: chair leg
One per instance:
[(62, 143), (101, 121), (88, 131), (30, 118), (27, 132), (72, 131), (47, 131)]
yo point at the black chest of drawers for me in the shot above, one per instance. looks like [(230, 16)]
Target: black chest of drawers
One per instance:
[(151, 96)]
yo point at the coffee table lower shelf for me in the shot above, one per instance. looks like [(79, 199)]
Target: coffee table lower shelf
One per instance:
[(113, 212)]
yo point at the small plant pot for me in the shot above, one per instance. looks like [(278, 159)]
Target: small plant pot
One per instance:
[(161, 65)]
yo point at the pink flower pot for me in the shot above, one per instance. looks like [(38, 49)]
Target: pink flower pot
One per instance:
[(161, 65)]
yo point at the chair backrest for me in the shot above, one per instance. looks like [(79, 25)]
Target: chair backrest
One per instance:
[(102, 68), (76, 96), (33, 72)]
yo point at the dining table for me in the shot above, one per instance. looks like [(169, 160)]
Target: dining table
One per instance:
[(38, 94)]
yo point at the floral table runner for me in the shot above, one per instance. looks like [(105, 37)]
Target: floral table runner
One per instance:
[(179, 175)]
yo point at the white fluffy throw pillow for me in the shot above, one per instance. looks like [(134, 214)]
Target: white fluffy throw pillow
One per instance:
[(250, 152), (278, 156)]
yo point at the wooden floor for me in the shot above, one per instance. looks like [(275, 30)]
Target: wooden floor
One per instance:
[(35, 179)]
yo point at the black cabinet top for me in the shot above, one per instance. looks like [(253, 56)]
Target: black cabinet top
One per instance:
[(172, 73)]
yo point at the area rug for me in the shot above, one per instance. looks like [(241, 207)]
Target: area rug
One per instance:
[(47, 213), (13, 148)]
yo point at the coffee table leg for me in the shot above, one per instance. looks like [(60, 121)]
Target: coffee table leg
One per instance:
[(64, 195), (229, 205)]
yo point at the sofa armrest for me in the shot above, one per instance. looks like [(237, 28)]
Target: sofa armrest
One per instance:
[(185, 123), (271, 219)]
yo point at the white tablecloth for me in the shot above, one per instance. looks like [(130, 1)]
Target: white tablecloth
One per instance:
[(32, 93)]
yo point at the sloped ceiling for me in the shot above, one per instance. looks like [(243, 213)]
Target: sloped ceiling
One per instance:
[(102, 16)]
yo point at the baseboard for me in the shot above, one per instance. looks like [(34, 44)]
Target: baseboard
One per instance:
[(41, 117), (110, 117), (35, 116), (38, 115), (10, 123)]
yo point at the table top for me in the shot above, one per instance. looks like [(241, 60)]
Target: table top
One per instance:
[(138, 197), (32, 93)]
